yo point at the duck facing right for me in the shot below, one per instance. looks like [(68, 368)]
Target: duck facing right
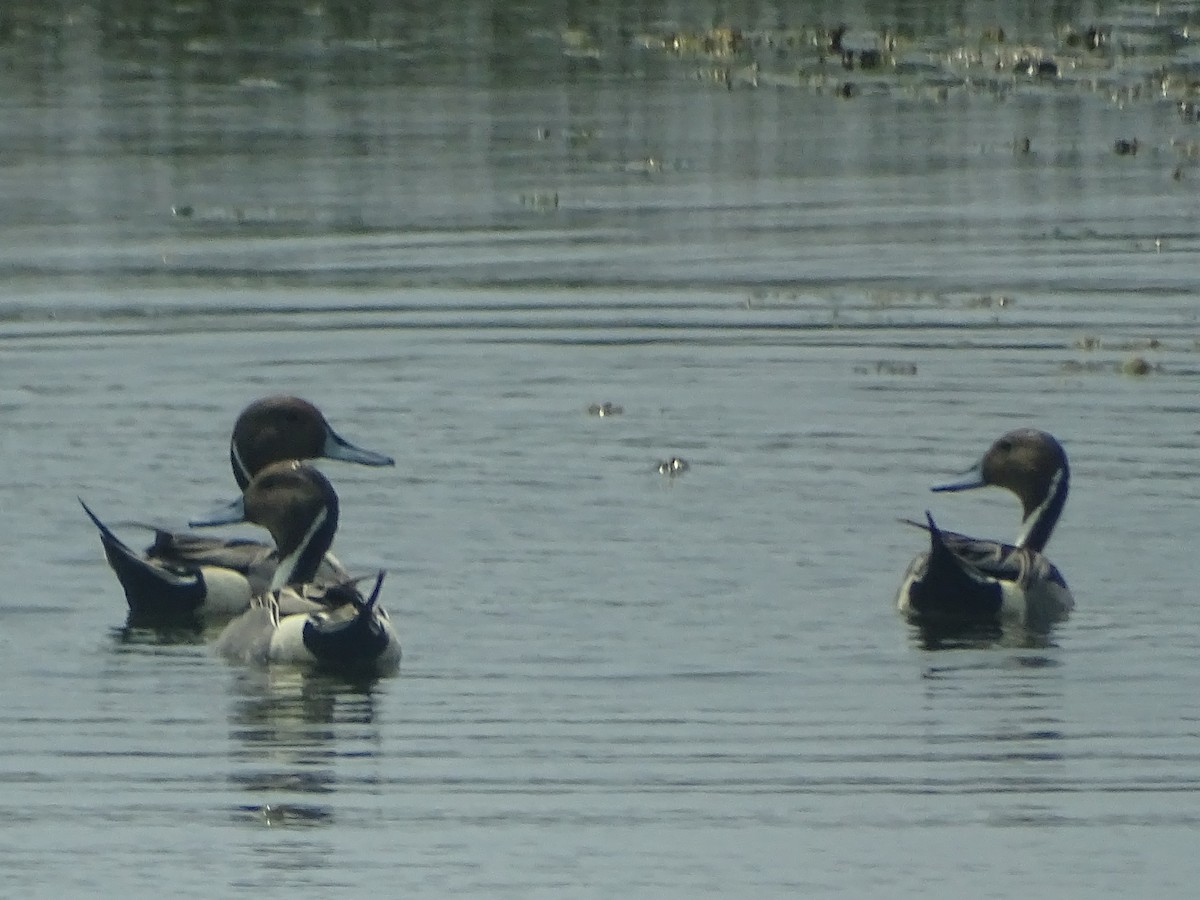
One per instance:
[(964, 582)]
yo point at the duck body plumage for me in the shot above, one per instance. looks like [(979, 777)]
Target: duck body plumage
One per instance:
[(171, 593), (963, 581), (240, 559), (300, 508), (356, 639)]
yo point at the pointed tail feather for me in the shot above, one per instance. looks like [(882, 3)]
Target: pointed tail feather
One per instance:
[(949, 590), (153, 592), (342, 593), (366, 607), (352, 645), (106, 536), (944, 566)]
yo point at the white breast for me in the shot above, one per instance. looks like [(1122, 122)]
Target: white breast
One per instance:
[(287, 643), (226, 593)]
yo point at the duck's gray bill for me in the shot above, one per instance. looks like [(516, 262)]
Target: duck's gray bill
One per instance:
[(969, 480), (337, 447), (225, 514)]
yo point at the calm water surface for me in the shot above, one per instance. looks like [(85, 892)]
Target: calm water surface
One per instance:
[(824, 287)]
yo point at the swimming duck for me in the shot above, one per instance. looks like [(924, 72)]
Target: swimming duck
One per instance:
[(964, 581), (186, 577), (299, 507), (355, 639)]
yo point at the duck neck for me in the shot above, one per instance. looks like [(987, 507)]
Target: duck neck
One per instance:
[(1040, 521), (240, 471), (299, 564)]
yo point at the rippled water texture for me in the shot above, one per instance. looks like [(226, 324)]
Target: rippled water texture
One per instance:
[(824, 268)]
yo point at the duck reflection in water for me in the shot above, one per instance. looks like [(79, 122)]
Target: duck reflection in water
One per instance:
[(288, 729)]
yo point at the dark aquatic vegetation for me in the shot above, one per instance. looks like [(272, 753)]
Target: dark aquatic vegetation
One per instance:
[(859, 52), (1136, 366), (1091, 38), (1042, 67)]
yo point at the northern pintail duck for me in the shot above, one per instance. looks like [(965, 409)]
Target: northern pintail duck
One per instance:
[(300, 511), (964, 581), (186, 577), (347, 633)]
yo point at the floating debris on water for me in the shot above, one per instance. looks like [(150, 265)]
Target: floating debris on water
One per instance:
[(241, 215), (989, 301), (1075, 366), (578, 135), (1090, 342), (888, 367), (1147, 61), (1133, 366), (579, 44), (605, 409), (1090, 39), (1137, 366), (859, 51), (1042, 67), (649, 165), (719, 43), (1123, 147), (673, 466), (253, 83), (539, 200)]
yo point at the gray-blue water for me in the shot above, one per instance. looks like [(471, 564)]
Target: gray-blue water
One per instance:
[(455, 229)]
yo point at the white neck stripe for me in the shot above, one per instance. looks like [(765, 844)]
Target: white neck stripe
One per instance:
[(287, 565), (1034, 517), (237, 459)]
